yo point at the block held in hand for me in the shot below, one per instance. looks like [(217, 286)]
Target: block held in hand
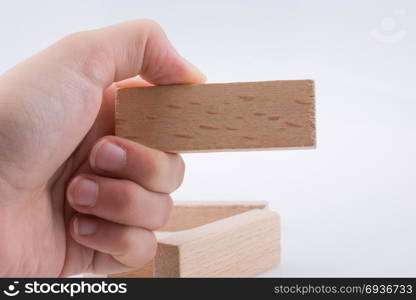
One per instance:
[(219, 117)]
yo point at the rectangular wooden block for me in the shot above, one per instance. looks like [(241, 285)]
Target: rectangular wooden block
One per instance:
[(241, 244), (191, 214), (219, 117)]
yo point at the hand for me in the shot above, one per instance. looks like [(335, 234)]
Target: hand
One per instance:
[(73, 197)]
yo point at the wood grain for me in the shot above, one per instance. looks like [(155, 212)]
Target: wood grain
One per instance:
[(240, 245), (190, 214), (219, 117)]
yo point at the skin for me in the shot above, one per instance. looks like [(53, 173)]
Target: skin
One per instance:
[(58, 151)]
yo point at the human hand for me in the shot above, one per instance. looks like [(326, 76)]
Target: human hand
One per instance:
[(73, 197)]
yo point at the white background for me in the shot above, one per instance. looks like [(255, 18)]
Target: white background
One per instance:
[(348, 208)]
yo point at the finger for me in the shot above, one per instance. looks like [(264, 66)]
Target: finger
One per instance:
[(119, 201), (131, 246), (131, 48), (153, 169)]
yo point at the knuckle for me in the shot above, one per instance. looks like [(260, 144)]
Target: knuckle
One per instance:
[(151, 245), (144, 249), (137, 247), (169, 207), (128, 192), (180, 171), (155, 169), (126, 242), (149, 24), (128, 197), (163, 215), (165, 173)]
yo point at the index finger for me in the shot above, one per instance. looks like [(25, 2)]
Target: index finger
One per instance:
[(153, 169)]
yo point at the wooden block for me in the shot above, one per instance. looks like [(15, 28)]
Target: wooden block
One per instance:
[(240, 245), (219, 117), (190, 214), (147, 271)]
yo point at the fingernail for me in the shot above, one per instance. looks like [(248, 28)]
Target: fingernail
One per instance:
[(85, 226), (84, 192), (108, 156)]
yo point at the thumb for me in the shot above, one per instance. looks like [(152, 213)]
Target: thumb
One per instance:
[(128, 49), (49, 102)]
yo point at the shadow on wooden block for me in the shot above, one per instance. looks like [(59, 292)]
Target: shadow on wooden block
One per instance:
[(215, 239)]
